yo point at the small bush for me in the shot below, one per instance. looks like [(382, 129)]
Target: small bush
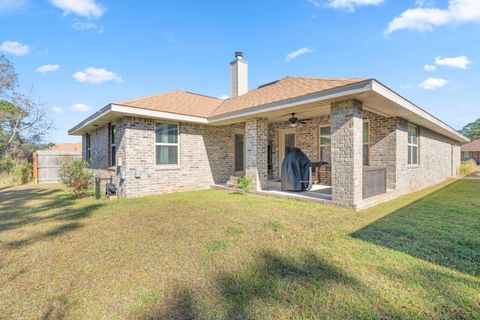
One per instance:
[(6, 164), (468, 167), (22, 173), (76, 177), (245, 183)]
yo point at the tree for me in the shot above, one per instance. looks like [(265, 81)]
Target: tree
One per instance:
[(472, 130), (22, 121)]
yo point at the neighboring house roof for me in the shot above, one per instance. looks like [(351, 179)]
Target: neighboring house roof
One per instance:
[(283, 89), (65, 147), (471, 146), (180, 102)]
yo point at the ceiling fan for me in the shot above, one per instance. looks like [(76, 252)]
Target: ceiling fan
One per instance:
[(294, 121)]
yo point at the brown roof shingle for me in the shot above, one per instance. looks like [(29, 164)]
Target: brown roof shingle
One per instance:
[(283, 89), (180, 102), (188, 103), (471, 146)]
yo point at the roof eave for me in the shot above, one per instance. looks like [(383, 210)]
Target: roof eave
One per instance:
[(393, 96)]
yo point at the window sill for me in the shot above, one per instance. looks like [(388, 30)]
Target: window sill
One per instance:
[(413, 166), (166, 167)]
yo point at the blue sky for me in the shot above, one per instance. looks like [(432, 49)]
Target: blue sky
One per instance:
[(80, 55)]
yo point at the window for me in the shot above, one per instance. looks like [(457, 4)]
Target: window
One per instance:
[(412, 145), (366, 143), (239, 145), (166, 144), (112, 144), (87, 147), (325, 144)]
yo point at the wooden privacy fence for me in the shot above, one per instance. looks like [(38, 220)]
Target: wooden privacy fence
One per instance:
[(47, 164)]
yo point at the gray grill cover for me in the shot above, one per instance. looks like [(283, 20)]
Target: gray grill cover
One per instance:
[(295, 169)]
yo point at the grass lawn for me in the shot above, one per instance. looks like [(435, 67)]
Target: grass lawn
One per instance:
[(218, 255)]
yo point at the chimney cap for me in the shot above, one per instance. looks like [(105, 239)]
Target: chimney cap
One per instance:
[(238, 54)]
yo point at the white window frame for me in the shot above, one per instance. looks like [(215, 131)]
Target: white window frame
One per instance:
[(177, 165), (241, 132), (417, 144), (112, 127), (320, 145), (367, 121)]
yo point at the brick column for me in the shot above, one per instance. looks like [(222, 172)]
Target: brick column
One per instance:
[(347, 152), (256, 140)]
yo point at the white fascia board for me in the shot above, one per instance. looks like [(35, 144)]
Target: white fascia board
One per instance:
[(133, 111), (396, 98), (91, 119), (326, 95)]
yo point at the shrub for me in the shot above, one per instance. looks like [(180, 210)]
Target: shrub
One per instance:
[(245, 183), (22, 173), (468, 167), (76, 177)]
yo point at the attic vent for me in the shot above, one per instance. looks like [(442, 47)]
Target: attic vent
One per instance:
[(267, 84)]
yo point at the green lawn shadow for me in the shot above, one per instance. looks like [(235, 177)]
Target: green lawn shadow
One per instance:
[(443, 228)]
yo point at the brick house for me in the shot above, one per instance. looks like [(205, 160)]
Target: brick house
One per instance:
[(183, 141), (471, 150)]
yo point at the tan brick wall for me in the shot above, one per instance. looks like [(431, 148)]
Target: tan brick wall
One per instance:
[(206, 157), (439, 158), (347, 162), (256, 140), (98, 148)]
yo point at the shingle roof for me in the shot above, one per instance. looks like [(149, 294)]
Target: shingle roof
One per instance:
[(188, 103), (283, 89), (180, 102), (471, 146)]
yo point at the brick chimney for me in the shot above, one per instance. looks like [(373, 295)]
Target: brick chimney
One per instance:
[(238, 75)]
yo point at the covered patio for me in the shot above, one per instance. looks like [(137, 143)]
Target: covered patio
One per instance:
[(351, 147)]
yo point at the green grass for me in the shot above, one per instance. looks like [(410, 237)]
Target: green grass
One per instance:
[(214, 255)]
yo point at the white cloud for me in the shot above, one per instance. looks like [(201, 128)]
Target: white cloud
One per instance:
[(57, 110), (297, 53), (224, 97), (424, 19), (315, 3), (460, 62), (433, 83), (429, 68), (83, 25), (350, 5), (14, 47), (80, 107), (48, 68), (96, 76), (85, 8), (424, 3), (10, 5)]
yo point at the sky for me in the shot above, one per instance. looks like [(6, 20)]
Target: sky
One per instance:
[(77, 56)]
